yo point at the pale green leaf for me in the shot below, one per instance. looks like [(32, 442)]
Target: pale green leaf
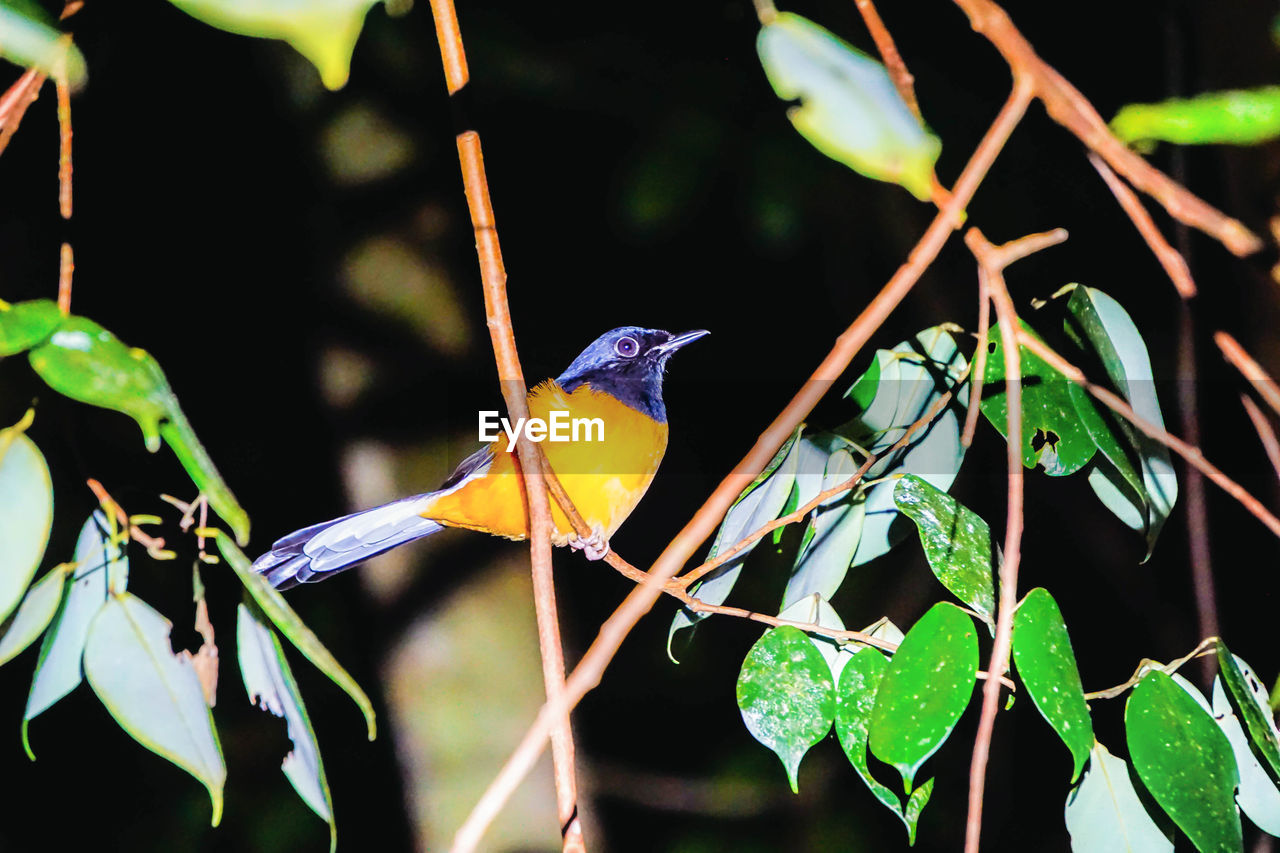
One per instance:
[(1105, 815), (33, 615), (28, 38), (1257, 794), (26, 515), (835, 528)]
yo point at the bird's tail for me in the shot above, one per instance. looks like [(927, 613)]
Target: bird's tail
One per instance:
[(322, 550)]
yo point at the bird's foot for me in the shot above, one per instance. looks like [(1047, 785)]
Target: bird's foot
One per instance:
[(594, 547)]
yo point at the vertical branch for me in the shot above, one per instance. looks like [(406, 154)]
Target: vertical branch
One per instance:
[(493, 275), (63, 88), (902, 79), (979, 373), (66, 267), (1198, 546)]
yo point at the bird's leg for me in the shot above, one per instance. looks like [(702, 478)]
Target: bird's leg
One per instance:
[(594, 547)]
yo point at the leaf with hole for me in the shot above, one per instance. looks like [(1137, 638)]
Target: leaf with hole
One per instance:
[(273, 605), (850, 110), (1185, 761), (925, 690), (760, 503), (786, 696), (1105, 814), (270, 684), (956, 542), (152, 693), (26, 514), (1257, 794), (1250, 696), (1047, 666)]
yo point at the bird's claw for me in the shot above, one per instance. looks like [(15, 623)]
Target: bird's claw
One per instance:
[(593, 547)]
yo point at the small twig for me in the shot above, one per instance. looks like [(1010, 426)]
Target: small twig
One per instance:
[(66, 269), (902, 79), (1249, 369), (979, 361), (1205, 646), (63, 88), (1175, 266), (1187, 451), (1266, 434), (14, 103)]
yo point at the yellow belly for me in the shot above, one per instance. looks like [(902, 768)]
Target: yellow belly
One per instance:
[(605, 479)]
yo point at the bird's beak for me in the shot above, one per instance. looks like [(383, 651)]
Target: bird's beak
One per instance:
[(678, 341)]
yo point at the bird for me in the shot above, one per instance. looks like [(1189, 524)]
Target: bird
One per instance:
[(617, 379)]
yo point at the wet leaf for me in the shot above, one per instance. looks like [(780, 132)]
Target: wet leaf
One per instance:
[(786, 696), (154, 695), (324, 31), (850, 109), (925, 690), (956, 541), (26, 514), (270, 684), (1185, 761), (1105, 815), (272, 603), (1047, 666), (25, 324)]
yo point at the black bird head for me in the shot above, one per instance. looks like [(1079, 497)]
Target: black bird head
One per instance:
[(628, 363)]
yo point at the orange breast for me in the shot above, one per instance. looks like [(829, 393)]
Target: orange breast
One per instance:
[(604, 476)]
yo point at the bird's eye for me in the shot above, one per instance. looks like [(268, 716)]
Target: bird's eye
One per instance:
[(627, 347)]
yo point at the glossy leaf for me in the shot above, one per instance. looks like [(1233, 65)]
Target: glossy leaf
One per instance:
[(270, 684), (1053, 435), (25, 324), (34, 614), (1237, 117), (1257, 794), (816, 610), (273, 605), (26, 514), (786, 696), (925, 690), (911, 378), (28, 37), (831, 540), (956, 541), (850, 109), (760, 503), (915, 805), (1185, 761), (59, 670), (1111, 333), (324, 31), (1047, 666), (87, 363), (1105, 815), (1250, 696), (152, 693)]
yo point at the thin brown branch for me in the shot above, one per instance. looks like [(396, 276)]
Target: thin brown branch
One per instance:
[(66, 268), (63, 88), (991, 263), (1199, 542), (1175, 266), (902, 79), (1206, 646), (586, 675), (449, 37), (1189, 452), (14, 103), (1266, 434), (1072, 110), (978, 376), (1249, 368)]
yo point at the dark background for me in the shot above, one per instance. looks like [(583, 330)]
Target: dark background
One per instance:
[(642, 172)]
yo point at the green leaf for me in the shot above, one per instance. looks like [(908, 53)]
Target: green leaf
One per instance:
[(25, 324), (271, 686), (786, 696), (1238, 117), (915, 805), (816, 610), (850, 109), (324, 31), (1250, 696), (26, 514), (87, 363), (58, 670), (911, 378), (152, 693), (291, 625), (1111, 332), (1105, 814), (33, 615), (1047, 666), (1185, 761), (760, 503), (956, 541), (926, 689), (831, 540), (1257, 794), (1053, 436), (29, 38)]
